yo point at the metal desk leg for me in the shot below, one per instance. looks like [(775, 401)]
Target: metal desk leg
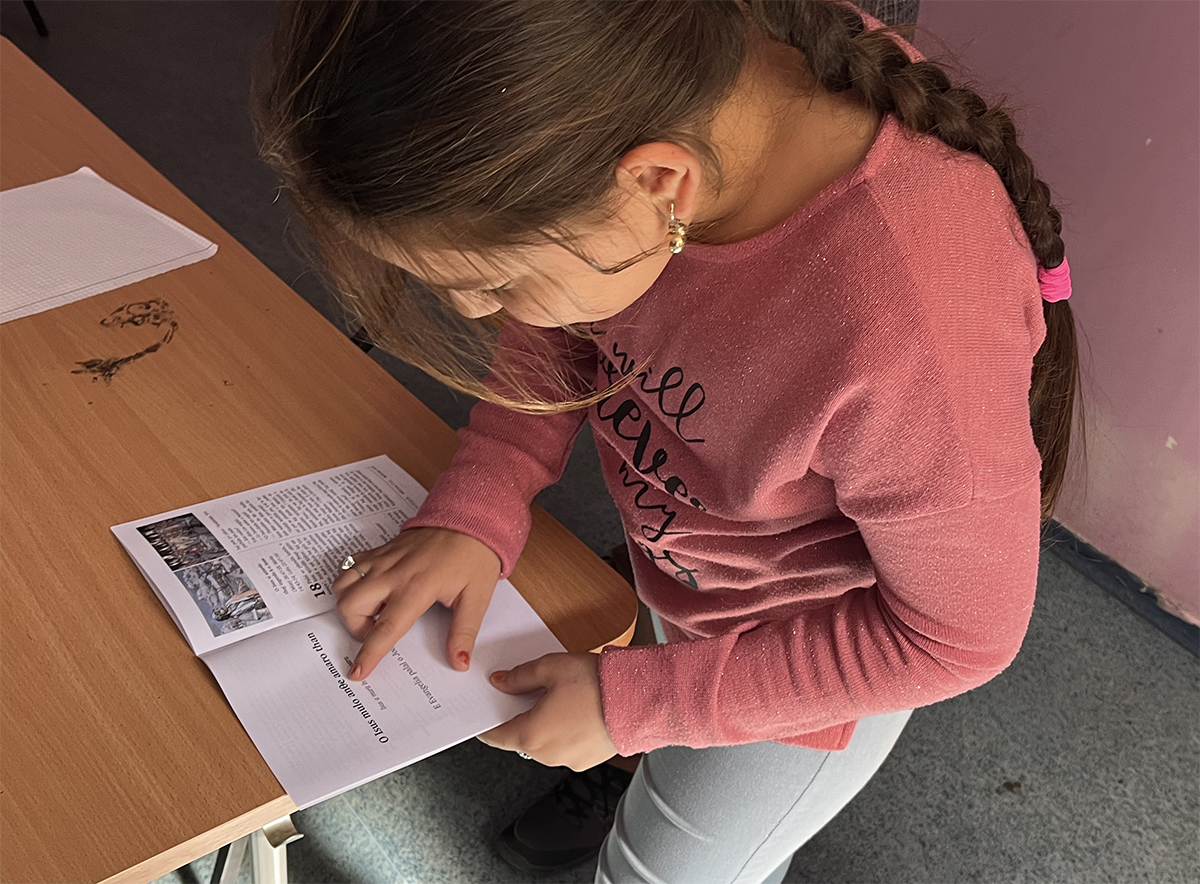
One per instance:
[(268, 854), (229, 861), (268, 851)]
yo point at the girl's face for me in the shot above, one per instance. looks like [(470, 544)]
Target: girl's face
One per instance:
[(553, 284), (548, 285)]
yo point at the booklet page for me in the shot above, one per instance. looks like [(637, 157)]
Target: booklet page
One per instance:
[(322, 734), (243, 564)]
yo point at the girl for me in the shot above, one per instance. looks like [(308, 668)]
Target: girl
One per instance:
[(807, 294)]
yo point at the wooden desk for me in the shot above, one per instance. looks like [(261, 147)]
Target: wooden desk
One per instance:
[(121, 759)]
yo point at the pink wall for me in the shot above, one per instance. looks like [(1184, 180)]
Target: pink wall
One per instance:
[(1108, 93)]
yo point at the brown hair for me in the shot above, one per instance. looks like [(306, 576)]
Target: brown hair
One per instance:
[(493, 124)]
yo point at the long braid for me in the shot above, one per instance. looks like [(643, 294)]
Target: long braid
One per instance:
[(843, 56)]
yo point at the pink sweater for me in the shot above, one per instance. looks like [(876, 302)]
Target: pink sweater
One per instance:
[(827, 476)]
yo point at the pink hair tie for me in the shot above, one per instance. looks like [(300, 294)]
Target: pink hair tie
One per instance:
[(1055, 282)]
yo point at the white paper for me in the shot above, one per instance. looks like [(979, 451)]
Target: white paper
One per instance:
[(240, 565), (71, 237), (321, 734)]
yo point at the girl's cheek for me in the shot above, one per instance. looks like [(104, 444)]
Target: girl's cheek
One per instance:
[(475, 308)]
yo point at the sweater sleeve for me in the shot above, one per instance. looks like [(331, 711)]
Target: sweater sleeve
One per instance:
[(506, 457), (948, 611)]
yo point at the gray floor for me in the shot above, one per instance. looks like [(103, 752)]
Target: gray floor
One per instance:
[(1080, 763)]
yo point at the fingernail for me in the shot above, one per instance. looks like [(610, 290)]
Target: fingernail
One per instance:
[(356, 672), (464, 658), (498, 675)]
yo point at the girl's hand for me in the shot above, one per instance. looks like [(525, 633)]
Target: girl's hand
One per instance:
[(403, 578), (566, 727)]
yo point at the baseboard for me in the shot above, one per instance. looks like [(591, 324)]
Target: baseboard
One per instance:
[(1123, 584)]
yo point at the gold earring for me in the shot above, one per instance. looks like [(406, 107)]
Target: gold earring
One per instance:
[(676, 233)]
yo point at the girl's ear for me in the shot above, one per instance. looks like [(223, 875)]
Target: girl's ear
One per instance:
[(664, 173)]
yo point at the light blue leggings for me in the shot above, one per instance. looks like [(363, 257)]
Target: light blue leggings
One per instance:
[(735, 814)]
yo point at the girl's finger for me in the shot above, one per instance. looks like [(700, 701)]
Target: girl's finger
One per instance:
[(359, 604), (358, 625), (524, 678), (362, 630), (347, 577), (392, 624), (510, 735), (469, 611)]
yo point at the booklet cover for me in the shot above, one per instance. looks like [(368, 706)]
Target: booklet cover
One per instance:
[(246, 579)]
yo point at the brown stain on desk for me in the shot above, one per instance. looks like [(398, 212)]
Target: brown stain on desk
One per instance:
[(155, 312)]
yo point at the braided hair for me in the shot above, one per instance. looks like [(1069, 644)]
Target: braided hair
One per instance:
[(846, 57)]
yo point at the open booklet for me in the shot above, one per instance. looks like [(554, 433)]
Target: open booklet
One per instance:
[(246, 579)]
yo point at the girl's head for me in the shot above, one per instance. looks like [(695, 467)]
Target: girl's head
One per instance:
[(461, 164), (591, 270), (514, 155)]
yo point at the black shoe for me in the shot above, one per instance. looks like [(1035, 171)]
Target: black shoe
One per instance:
[(567, 826)]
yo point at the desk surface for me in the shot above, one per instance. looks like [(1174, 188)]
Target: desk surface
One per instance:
[(121, 758)]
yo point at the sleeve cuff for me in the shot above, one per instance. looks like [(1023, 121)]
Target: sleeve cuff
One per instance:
[(505, 539), (656, 695)]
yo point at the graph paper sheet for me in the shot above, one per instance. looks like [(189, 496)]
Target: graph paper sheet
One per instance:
[(71, 237)]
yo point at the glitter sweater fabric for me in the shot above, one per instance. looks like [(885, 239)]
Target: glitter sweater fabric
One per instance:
[(826, 474)]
